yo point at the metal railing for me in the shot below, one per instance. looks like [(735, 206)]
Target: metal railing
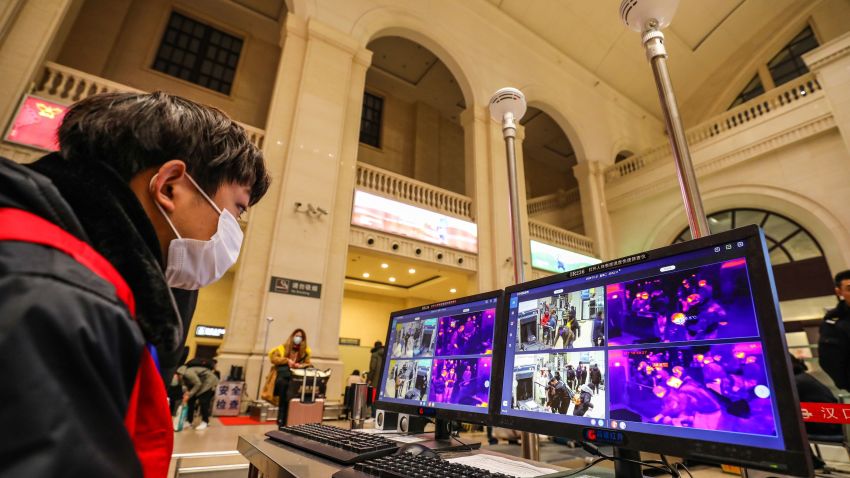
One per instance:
[(560, 237), (767, 104), (409, 190), (67, 85)]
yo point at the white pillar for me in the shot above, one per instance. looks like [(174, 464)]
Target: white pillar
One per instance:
[(597, 221), (487, 184), (311, 147)]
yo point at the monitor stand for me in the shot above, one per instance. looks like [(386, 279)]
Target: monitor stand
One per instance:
[(626, 469), (443, 440)]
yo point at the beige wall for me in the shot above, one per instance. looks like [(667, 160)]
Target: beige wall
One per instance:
[(540, 180), (805, 181), (397, 134), (213, 309), (117, 40), (366, 316), (416, 141)]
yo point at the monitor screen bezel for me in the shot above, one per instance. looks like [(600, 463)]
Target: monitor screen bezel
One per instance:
[(483, 418), (795, 455)]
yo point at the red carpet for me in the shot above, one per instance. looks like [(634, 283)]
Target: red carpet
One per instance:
[(245, 420)]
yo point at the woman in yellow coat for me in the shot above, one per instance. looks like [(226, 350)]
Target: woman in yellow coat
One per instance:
[(294, 353)]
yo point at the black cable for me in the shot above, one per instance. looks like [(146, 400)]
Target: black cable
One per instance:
[(562, 474), (673, 469), (677, 465), (594, 450)]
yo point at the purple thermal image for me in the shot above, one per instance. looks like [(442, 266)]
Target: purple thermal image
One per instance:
[(461, 381), (709, 302), (466, 334), (709, 387)]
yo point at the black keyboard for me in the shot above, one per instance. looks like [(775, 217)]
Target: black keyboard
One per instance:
[(337, 444), (405, 465)]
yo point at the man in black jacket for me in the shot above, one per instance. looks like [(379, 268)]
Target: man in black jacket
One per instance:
[(152, 183), (834, 343)]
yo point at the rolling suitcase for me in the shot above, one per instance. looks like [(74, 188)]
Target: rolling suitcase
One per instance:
[(303, 411)]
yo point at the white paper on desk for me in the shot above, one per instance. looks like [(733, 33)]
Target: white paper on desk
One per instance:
[(497, 464), (405, 439), (373, 431)]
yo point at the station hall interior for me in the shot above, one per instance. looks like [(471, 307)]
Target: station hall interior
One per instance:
[(373, 109)]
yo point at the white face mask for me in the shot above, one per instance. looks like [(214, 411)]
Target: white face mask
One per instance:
[(193, 264), (296, 340)]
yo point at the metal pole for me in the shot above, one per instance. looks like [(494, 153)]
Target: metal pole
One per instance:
[(530, 444), (263, 361), (653, 40)]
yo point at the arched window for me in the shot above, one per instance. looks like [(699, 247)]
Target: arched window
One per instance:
[(799, 266), (623, 155)]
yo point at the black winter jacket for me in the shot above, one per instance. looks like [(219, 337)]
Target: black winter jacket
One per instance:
[(69, 348), (834, 345)]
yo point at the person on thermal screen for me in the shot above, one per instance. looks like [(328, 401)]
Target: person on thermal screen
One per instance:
[(294, 353)]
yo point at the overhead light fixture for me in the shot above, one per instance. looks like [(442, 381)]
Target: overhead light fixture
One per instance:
[(411, 271), (392, 279), (452, 290), (384, 265), (365, 275)]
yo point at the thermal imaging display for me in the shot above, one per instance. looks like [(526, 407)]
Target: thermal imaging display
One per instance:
[(670, 346), (466, 334), (708, 387), (441, 357), (708, 302)]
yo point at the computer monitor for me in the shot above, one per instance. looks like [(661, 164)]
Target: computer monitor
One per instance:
[(679, 351), (439, 358)]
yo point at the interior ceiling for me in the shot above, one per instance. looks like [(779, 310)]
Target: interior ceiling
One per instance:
[(273, 9), (709, 42), (410, 72), (428, 282)]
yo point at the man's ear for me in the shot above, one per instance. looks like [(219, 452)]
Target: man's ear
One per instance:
[(162, 186)]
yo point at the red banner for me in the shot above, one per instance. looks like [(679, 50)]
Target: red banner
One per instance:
[(37, 123), (825, 412)]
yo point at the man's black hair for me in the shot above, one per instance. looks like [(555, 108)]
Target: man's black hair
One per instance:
[(843, 275), (133, 132)]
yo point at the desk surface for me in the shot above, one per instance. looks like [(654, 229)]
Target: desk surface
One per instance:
[(276, 460)]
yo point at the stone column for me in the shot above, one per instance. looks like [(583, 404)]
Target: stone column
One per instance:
[(311, 146), (597, 221), (28, 29), (831, 64), (487, 184)]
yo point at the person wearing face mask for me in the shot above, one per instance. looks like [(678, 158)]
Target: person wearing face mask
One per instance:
[(103, 246), (294, 353)]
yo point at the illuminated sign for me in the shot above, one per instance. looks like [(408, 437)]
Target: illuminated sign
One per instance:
[(209, 331), (386, 215), (554, 259), (37, 123)]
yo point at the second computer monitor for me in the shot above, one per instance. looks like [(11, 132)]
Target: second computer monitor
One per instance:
[(678, 350), (439, 359)]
